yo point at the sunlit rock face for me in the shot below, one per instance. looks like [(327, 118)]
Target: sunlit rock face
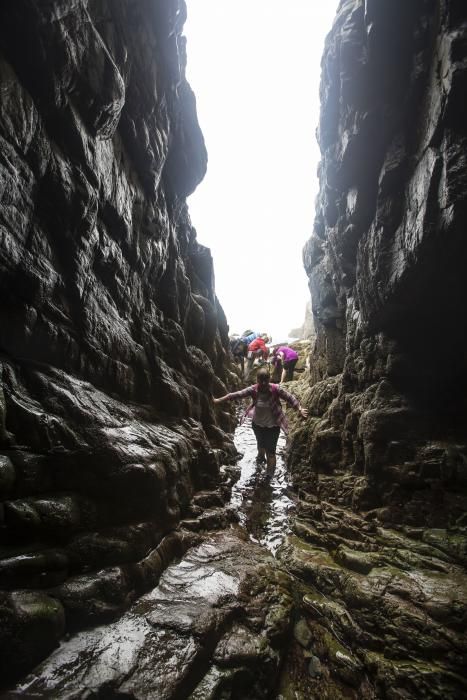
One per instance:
[(111, 336), (385, 445)]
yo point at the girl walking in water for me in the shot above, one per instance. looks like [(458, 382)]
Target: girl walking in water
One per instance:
[(266, 413)]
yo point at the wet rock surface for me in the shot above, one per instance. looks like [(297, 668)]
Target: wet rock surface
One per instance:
[(218, 622), (261, 495), (380, 467), (385, 612), (215, 624), (112, 339)]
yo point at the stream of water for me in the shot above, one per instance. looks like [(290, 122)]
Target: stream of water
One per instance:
[(162, 630), (260, 495)]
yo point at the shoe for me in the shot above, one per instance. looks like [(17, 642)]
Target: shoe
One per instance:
[(260, 460)]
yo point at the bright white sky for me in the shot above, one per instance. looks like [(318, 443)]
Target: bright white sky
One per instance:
[(254, 66)]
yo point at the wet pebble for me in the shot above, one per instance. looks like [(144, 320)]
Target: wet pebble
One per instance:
[(302, 633), (314, 667)]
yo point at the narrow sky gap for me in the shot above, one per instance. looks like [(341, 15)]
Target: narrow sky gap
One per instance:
[(254, 66)]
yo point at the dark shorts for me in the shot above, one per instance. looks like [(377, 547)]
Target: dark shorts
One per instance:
[(266, 438), (289, 368)]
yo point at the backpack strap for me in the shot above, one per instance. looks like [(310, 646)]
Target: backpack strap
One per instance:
[(275, 390), (253, 401)]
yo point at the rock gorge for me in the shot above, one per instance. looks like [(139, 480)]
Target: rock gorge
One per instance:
[(113, 463)]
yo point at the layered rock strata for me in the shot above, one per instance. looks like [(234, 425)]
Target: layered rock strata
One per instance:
[(214, 627), (111, 335), (381, 467)]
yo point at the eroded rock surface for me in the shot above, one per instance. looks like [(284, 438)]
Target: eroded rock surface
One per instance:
[(380, 467), (112, 339), (214, 627)]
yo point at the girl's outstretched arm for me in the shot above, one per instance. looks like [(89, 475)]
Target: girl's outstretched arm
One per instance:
[(292, 401), (235, 395)]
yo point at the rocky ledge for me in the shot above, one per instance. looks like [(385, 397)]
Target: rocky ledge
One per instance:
[(215, 626)]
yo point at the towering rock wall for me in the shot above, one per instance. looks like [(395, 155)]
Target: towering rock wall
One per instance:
[(380, 536), (111, 335), (387, 258)]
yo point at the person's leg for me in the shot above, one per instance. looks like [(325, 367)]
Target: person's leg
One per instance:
[(238, 357), (260, 443), (249, 363), (290, 369), (293, 367), (244, 356), (276, 371), (271, 444)]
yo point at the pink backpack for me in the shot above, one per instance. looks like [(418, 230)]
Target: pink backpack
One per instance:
[(274, 391), (276, 402)]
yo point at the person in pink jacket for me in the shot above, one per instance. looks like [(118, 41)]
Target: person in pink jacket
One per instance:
[(266, 413), (286, 358)]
